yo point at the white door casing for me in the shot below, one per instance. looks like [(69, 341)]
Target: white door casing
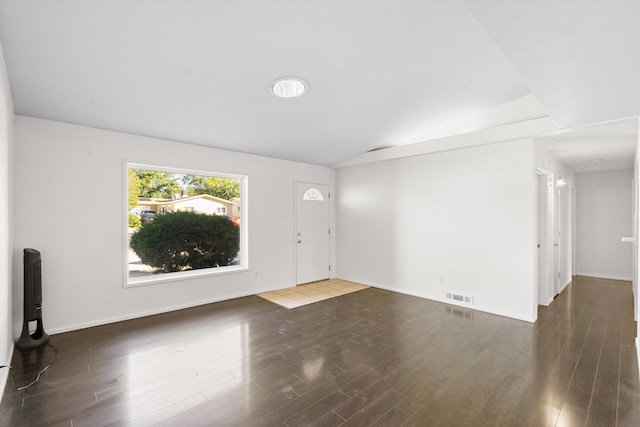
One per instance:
[(312, 232), (547, 260)]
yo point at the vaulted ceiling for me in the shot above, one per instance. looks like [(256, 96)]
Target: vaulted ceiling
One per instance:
[(379, 73)]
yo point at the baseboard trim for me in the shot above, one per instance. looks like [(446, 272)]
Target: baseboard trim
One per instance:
[(550, 300), (601, 276), (442, 300), (115, 319), (4, 373)]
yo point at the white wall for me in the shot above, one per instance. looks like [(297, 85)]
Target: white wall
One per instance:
[(466, 216), (604, 214), (6, 125), (636, 227), (69, 204)]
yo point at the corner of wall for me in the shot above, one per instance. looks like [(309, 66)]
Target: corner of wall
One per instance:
[(638, 351), (6, 215), (4, 373), (636, 228)]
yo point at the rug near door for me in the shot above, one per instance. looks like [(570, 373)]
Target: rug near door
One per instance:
[(312, 292)]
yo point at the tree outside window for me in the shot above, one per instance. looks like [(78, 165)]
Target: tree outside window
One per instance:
[(179, 222)]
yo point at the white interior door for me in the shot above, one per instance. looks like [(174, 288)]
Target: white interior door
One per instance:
[(312, 232), (557, 239), (544, 271)]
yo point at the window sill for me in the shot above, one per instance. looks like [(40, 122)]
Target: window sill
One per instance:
[(182, 275)]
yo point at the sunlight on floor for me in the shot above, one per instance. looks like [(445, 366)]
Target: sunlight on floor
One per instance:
[(311, 292)]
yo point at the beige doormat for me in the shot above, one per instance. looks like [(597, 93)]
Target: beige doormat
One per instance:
[(311, 292)]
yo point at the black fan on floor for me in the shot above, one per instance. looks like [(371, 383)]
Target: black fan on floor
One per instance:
[(33, 334)]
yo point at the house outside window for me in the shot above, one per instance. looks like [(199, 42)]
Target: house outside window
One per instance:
[(184, 230)]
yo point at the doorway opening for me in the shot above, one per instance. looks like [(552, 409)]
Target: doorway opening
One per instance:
[(545, 258)]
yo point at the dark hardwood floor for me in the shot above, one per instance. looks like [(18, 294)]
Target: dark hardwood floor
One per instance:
[(371, 358)]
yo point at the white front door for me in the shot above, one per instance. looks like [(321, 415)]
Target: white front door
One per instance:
[(312, 232)]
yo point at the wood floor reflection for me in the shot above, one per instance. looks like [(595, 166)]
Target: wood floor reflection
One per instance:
[(370, 358)]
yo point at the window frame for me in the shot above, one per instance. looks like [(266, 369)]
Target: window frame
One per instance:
[(190, 274)]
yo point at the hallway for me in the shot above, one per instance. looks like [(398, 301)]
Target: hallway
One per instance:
[(590, 329)]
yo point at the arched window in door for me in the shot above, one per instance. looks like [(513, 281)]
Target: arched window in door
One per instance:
[(313, 194)]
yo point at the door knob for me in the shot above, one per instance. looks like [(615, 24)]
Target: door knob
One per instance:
[(299, 241)]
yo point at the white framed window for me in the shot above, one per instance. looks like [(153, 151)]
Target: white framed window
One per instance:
[(193, 239), (313, 194)]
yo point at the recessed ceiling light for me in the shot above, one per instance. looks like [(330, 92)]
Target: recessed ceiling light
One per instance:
[(596, 160), (288, 87)]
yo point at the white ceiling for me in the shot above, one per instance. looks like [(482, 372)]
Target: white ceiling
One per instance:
[(595, 148), (380, 73)]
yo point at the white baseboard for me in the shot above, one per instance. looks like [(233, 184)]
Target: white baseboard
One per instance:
[(106, 321), (601, 276), (550, 300), (4, 373), (442, 300)]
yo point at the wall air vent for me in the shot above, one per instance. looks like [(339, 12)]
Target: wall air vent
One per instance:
[(382, 147), (467, 299)]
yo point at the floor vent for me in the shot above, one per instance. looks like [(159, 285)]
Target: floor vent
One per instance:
[(461, 298)]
